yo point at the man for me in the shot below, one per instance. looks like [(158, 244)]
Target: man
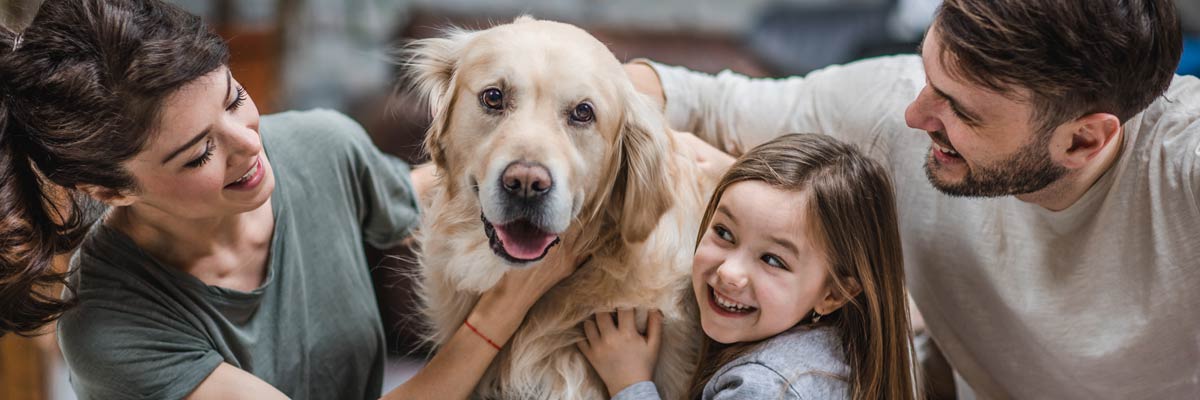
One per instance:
[(1047, 164)]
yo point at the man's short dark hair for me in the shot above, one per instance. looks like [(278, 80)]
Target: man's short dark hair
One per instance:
[(1075, 57)]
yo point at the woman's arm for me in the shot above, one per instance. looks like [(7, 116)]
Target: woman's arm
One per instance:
[(460, 363), (423, 179), (233, 383)]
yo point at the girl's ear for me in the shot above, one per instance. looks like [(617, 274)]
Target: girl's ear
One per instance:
[(836, 297)]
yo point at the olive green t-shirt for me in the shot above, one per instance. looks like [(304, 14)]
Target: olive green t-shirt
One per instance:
[(313, 330)]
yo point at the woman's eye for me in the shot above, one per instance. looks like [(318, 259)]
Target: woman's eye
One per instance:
[(200, 161), (492, 99), (723, 233), (773, 261), (239, 100), (582, 113)]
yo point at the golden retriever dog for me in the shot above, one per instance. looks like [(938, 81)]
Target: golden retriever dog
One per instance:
[(539, 137)]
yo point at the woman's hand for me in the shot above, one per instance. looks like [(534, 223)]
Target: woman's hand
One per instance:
[(501, 309), (454, 371), (618, 353), (522, 287)]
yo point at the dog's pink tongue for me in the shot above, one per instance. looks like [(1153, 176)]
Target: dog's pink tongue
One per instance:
[(522, 242)]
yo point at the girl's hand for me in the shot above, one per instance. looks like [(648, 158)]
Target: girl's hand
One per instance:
[(618, 353)]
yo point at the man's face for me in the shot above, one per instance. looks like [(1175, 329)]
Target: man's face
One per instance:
[(984, 143)]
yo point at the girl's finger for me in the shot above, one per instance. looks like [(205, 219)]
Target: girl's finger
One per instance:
[(654, 329), (605, 321), (590, 332), (625, 320)]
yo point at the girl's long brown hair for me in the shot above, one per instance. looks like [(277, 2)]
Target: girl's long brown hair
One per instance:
[(80, 89), (853, 203)]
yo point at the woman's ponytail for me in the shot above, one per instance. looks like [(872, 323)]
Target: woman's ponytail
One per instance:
[(78, 97), (33, 225)]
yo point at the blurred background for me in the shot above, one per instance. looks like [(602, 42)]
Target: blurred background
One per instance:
[(300, 54)]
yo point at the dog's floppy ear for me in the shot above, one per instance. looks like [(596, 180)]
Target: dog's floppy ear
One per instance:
[(431, 68), (643, 190)]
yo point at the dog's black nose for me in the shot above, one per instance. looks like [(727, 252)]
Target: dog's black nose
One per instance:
[(526, 180)]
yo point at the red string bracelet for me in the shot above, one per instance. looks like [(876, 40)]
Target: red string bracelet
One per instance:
[(477, 332)]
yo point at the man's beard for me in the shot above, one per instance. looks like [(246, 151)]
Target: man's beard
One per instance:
[(1028, 170)]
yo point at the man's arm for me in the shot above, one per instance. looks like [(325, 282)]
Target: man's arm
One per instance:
[(854, 102), (646, 81)]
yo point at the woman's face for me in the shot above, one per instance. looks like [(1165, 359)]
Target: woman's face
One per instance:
[(757, 272), (205, 157)]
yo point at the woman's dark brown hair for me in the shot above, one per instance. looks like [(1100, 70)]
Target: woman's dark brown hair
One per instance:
[(81, 90), (853, 204)]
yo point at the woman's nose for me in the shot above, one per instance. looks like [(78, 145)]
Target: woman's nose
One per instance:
[(244, 138)]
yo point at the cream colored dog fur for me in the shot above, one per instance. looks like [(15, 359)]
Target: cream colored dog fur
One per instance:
[(622, 191)]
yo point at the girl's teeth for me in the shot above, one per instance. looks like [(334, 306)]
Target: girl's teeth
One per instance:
[(730, 305)]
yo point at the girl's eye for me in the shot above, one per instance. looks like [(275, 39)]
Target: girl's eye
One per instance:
[(723, 233), (208, 152), (774, 261), (237, 102)]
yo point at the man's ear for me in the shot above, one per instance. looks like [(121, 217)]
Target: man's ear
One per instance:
[(1089, 135), (111, 197), (835, 298)]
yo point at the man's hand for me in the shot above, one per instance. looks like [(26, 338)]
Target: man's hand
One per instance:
[(712, 161), (618, 353), (646, 81)]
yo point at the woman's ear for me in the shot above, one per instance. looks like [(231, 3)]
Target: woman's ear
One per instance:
[(111, 197), (836, 297)]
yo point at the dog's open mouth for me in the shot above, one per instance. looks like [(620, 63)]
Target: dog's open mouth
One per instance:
[(519, 241)]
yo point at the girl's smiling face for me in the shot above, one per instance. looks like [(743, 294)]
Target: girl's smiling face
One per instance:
[(758, 271)]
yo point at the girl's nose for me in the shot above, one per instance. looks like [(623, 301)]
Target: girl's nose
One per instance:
[(732, 276)]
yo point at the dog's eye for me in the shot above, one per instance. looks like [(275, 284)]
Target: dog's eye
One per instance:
[(492, 99), (582, 113)]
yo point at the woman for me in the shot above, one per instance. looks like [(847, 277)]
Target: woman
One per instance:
[(229, 263)]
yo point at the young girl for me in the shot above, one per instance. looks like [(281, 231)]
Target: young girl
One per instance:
[(799, 281)]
